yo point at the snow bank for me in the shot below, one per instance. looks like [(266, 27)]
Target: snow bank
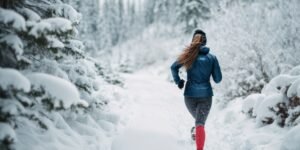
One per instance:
[(278, 107), (294, 89), (295, 71), (11, 17), (251, 103), (291, 139), (279, 83), (11, 78), (264, 111), (7, 133), (61, 91)]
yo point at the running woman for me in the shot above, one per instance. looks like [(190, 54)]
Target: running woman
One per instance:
[(199, 64)]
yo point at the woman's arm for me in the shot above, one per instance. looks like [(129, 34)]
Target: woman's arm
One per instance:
[(175, 71), (216, 73)]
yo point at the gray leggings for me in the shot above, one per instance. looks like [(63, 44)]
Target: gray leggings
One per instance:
[(199, 108)]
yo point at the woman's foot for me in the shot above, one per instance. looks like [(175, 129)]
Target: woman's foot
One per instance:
[(193, 133)]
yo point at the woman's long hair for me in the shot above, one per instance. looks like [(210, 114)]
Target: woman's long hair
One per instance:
[(191, 52)]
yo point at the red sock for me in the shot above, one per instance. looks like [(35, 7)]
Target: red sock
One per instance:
[(200, 137)]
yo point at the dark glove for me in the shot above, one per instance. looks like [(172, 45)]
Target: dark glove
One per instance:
[(180, 84)]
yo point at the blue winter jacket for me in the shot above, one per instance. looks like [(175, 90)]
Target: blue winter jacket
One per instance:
[(198, 76)]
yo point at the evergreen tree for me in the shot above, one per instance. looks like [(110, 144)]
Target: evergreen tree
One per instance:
[(40, 36), (192, 12)]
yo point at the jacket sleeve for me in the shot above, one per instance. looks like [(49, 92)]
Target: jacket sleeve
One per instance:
[(216, 73), (175, 71)]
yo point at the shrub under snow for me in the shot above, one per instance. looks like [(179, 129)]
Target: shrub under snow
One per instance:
[(281, 103), (294, 89), (273, 108), (251, 103), (279, 83)]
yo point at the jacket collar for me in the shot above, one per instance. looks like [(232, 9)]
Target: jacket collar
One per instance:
[(203, 50)]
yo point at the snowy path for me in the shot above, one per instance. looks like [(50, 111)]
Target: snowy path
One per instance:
[(160, 120)]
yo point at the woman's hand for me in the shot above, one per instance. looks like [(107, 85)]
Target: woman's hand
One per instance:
[(180, 84)]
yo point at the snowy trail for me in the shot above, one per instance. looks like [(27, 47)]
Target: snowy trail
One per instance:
[(160, 120)]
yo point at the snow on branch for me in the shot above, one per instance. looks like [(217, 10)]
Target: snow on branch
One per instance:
[(54, 42), (68, 12), (62, 93), (294, 89), (7, 133), (13, 79), (14, 42), (51, 25), (11, 17), (30, 15)]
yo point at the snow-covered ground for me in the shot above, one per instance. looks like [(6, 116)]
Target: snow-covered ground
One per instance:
[(160, 121)]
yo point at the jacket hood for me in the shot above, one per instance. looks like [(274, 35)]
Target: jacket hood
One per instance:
[(203, 50)]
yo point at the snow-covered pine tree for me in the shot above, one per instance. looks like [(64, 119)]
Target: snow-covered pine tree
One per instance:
[(91, 26), (192, 12), (45, 75)]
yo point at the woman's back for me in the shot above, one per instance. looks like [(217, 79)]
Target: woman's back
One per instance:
[(201, 69), (204, 65), (198, 76)]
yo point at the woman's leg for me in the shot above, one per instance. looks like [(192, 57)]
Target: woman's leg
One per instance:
[(191, 105), (202, 111)]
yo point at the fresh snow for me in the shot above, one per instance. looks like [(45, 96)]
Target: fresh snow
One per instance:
[(75, 45), (14, 42), (59, 24), (149, 112), (10, 107), (7, 133), (51, 25), (279, 84), (263, 111), (159, 119), (251, 103), (11, 78), (54, 42), (295, 71), (8, 16), (68, 12), (294, 89), (30, 15), (62, 91), (291, 139)]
